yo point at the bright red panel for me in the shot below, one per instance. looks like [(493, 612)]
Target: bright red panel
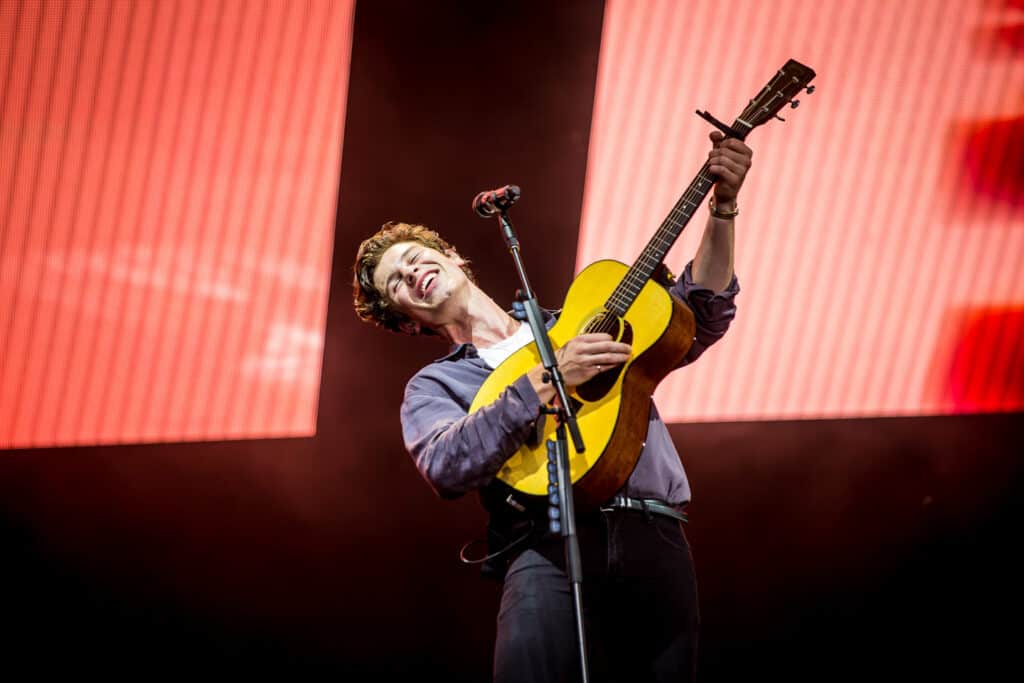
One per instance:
[(169, 176), (888, 204)]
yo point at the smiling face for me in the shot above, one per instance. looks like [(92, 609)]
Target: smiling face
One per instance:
[(422, 283)]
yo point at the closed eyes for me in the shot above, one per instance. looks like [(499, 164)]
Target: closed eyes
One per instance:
[(396, 279)]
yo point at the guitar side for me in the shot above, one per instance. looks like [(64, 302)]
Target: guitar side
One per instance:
[(613, 424)]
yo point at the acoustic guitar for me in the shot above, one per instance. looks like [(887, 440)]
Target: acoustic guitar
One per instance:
[(612, 408)]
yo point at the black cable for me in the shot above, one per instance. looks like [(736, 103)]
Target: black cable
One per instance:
[(491, 556)]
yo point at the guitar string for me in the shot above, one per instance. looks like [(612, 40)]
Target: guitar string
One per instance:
[(678, 211), (633, 282), (630, 286), (636, 278), (662, 241)]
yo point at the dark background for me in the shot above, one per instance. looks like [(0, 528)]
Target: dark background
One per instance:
[(839, 549)]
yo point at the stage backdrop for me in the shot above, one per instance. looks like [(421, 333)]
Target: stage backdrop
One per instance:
[(880, 241), (168, 189), (169, 175)]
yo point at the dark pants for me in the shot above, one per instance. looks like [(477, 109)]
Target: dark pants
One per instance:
[(639, 596)]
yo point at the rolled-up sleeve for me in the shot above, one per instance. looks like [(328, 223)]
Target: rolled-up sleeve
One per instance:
[(712, 310), (457, 452)]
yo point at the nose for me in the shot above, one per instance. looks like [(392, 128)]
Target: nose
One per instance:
[(410, 275)]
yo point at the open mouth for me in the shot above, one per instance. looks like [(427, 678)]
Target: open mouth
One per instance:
[(426, 284)]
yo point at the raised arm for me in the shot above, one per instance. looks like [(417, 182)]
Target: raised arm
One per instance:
[(729, 159)]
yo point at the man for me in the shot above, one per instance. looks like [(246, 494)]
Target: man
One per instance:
[(639, 590)]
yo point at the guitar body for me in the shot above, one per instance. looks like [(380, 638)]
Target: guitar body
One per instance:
[(613, 408)]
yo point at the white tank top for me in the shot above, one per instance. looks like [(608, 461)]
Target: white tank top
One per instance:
[(495, 355)]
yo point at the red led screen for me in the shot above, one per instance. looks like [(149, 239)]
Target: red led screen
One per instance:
[(169, 175), (880, 245)]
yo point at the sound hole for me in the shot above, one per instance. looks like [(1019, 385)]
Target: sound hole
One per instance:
[(600, 384), (607, 323)]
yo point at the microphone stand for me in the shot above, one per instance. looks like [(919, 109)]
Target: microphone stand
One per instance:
[(561, 513)]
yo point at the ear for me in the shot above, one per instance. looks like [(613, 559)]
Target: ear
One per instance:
[(410, 327), (454, 256)]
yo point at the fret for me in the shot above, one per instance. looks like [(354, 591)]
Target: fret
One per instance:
[(660, 244), (790, 80)]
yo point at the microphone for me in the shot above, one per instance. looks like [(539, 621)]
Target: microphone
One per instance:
[(488, 203)]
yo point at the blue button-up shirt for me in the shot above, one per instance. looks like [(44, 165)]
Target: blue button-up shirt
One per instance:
[(457, 452)]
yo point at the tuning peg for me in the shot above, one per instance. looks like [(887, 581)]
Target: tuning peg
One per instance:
[(794, 104), (780, 118), (810, 89)]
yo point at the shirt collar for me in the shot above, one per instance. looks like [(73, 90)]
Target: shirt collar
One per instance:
[(466, 349)]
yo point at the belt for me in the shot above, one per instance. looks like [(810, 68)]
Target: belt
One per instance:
[(648, 505)]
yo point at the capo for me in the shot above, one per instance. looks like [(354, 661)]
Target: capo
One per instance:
[(728, 130)]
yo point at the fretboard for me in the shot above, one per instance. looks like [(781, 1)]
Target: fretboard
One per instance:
[(654, 253)]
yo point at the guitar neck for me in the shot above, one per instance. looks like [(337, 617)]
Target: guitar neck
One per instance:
[(790, 80), (654, 253)]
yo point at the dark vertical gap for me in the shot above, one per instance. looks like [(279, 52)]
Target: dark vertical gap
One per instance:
[(446, 100)]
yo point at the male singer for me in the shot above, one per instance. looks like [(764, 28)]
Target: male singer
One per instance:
[(638, 577)]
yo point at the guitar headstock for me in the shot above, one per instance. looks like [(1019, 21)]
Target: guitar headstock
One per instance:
[(789, 82)]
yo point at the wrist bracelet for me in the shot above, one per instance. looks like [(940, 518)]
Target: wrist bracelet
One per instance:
[(723, 214)]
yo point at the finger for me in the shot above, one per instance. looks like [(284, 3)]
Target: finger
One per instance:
[(731, 154), (716, 137), (734, 166), (726, 177), (591, 337), (611, 352), (732, 145), (608, 347), (611, 358)]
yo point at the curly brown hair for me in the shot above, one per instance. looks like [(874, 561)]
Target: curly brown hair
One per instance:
[(371, 305)]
